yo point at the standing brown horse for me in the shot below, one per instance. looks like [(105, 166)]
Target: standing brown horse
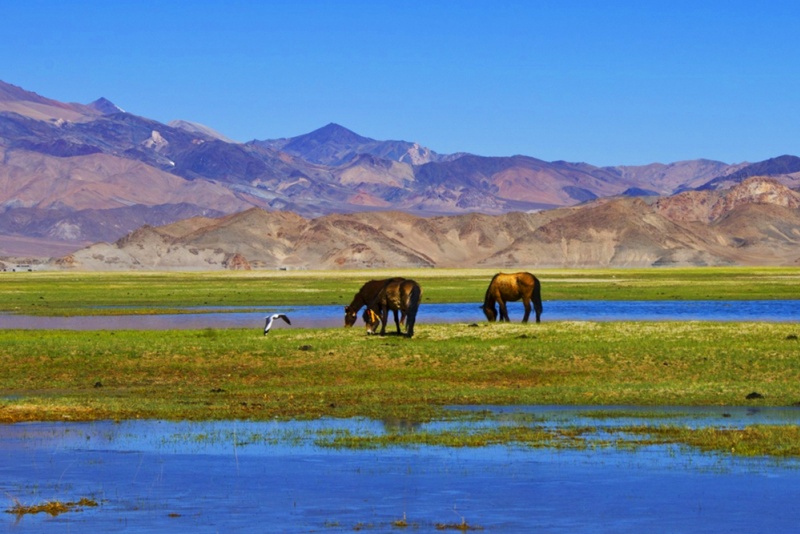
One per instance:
[(511, 287), (366, 295), (397, 294)]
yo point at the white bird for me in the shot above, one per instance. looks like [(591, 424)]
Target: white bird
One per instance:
[(271, 319)]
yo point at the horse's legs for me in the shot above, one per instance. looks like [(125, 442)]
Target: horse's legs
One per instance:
[(527, 303), (503, 311), (384, 319), (396, 321)]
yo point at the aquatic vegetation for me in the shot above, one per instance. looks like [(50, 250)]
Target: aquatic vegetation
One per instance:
[(467, 436), (400, 523), (52, 508), (463, 526), (758, 440), (754, 440)]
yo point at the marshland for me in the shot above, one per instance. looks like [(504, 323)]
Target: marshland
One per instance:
[(457, 387)]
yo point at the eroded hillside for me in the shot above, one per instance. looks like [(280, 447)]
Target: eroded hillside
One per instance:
[(755, 223)]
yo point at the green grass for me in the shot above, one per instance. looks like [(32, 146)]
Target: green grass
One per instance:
[(754, 440), (225, 374), (66, 293), (517, 435), (306, 373), (777, 441)]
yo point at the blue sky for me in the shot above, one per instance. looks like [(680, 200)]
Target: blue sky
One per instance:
[(603, 82)]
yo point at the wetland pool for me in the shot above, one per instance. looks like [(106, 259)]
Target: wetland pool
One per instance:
[(236, 476), (333, 316)]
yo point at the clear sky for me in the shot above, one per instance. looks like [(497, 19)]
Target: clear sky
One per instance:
[(603, 82)]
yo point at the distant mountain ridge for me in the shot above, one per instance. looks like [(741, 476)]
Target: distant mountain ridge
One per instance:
[(105, 106), (64, 165), (785, 166), (755, 223), (335, 145), (15, 99)]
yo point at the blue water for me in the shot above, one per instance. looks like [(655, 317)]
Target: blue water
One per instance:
[(332, 316), (234, 476)]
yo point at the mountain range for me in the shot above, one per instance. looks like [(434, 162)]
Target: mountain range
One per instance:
[(72, 175), (756, 222)]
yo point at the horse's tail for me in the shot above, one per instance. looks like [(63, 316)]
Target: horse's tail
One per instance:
[(537, 298), (414, 299)]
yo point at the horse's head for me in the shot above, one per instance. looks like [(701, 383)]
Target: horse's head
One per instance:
[(490, 311), (350, 316), (372, 320)]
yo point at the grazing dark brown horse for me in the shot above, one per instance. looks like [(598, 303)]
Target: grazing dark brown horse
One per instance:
[(511, 287), (398, 294), (366, 295)]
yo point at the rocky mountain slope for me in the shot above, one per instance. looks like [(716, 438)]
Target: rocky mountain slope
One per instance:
[(74, 174), (755, 223)]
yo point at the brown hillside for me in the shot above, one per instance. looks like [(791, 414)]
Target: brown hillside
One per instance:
[(757, 225), (708, 206), (761, 234), (100, 181)]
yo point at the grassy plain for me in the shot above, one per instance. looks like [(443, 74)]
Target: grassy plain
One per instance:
[(68, 293), (308, 373), (218, 374)]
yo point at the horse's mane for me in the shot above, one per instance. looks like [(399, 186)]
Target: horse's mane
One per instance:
[(487, 298)]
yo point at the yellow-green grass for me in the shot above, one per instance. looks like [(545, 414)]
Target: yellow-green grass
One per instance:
[(303, 373), (754, 440), (308, 373), (781, 441), (83, 293)]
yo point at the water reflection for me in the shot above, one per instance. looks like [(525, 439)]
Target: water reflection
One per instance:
[(273, 476), (331, 316)]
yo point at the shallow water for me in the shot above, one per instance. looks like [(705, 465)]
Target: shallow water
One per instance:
[(333, 316), (151, 476)]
